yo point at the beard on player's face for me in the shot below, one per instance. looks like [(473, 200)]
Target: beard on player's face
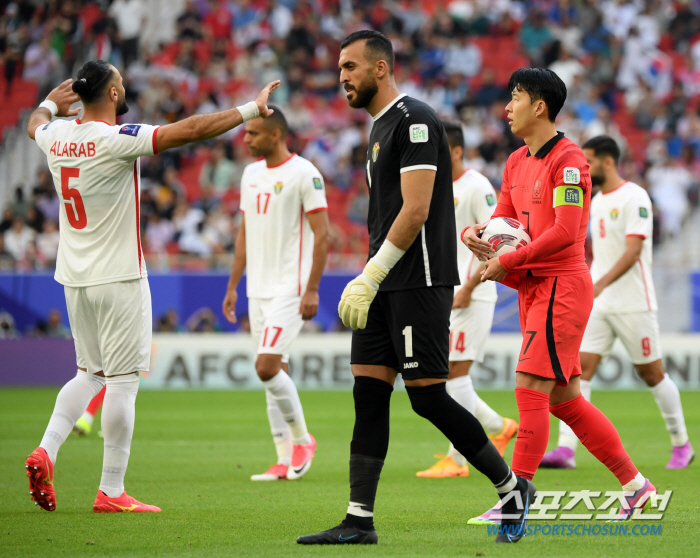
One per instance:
[(122, 107), (597, 179), (364, 93)]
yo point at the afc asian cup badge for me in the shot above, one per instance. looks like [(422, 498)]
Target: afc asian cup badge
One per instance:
[(375, 152)]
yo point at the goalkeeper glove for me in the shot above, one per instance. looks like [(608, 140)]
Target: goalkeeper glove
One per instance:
[(359, 294)]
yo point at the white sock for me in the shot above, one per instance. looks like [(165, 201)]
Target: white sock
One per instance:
[(281, 434), (567, 438), (668, 399), (88, 417), (462, 391), (71, 402), (489, 419), (118, 414), (635, 484), (282, 389)]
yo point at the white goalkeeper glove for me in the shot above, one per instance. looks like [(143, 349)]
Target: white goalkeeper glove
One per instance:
[(360, 292)]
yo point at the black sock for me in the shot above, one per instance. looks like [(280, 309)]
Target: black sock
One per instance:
[(461, 428), (370, 441), (364, 478)]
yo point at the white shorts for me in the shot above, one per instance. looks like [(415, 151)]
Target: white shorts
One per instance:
[(274, 323), (638, 331), (111, 326), (469, 329)]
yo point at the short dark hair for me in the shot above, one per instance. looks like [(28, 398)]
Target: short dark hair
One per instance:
[(602, 146), (377, 47), (92, 80), (455, 134), (540, 83), (277, 121)]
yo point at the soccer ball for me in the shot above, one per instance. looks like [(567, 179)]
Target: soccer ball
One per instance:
[(505, 235)]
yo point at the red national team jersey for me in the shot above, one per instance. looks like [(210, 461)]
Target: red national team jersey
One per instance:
[(550, 194)]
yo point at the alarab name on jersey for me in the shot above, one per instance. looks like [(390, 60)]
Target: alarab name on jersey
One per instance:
[(70, 149)]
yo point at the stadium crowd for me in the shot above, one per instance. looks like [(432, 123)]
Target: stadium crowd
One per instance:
[(632, 69)]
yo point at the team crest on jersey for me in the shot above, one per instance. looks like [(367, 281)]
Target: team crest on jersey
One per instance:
[(130, 129), (375, 152), (537, 190), (490, 200), (278, 187), (614, 213), (643, 212), (456, 201)]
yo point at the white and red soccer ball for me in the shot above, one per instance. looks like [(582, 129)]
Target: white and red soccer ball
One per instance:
[(505, 234)]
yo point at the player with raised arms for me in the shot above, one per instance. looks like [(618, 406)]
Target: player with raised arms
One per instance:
[(95, 167), (283, 243), (625, 300), (547, 187), (399, 307), (472, 310)]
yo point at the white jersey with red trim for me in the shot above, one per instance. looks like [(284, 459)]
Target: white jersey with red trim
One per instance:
[(95, 170), (475, 201), (279, 239), (615, 215)]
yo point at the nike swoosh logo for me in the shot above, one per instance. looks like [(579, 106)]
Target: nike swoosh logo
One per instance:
[(522, 359), (341, 538), (299, 470), (513, 187), (130, 508)]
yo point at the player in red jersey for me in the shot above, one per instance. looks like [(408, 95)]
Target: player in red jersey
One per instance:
[(547, 187)]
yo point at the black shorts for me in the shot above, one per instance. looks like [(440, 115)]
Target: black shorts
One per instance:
[(408, 331)]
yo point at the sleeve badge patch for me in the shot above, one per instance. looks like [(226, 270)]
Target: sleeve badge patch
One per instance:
[(572, 175), (490, 200), (418, 133), (130, 129), (317, 183), (643, 212)]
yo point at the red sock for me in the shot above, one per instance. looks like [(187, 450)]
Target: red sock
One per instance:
[(96, 402), (533, 433), (598, 435)]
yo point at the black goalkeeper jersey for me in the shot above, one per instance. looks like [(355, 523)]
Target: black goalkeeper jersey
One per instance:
[(408, 135)]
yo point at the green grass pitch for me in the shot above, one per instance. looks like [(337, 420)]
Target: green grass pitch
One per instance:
[(193, 453)]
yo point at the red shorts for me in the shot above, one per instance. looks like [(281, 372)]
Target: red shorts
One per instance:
[(554, 312)]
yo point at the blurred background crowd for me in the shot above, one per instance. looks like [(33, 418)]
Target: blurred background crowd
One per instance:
[(632, 69)]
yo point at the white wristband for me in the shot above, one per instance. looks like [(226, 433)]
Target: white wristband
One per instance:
[(388, 255), (249, 111), (53, 107)]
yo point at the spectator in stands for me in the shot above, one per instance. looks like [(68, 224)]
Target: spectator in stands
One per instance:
[(7, 261), (535, 36), (8, 330), (203, 321), (669, 184), (47, 242), (168, 322), (21, 204), (42, 64), (8, 217), (463, 57), (130, 17), (159, 233), (55, 327), (17, 239), (567, 67), (218, 173), (35, 219)]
